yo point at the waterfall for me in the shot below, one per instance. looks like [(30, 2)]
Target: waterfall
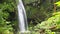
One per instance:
[(22, 17)]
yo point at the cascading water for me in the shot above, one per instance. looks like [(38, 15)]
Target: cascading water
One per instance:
[(22, 17)]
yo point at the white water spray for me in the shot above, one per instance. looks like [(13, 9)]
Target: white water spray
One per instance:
[(22, 17)]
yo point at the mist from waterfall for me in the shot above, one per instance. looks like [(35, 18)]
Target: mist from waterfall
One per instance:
[(22, 17)]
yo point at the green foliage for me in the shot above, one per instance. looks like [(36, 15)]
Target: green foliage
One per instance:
[(6, 7), (37, 11), (58, 3), (50, 25), (41, 10)]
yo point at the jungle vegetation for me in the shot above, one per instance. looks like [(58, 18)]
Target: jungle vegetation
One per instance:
[(43, 16)]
